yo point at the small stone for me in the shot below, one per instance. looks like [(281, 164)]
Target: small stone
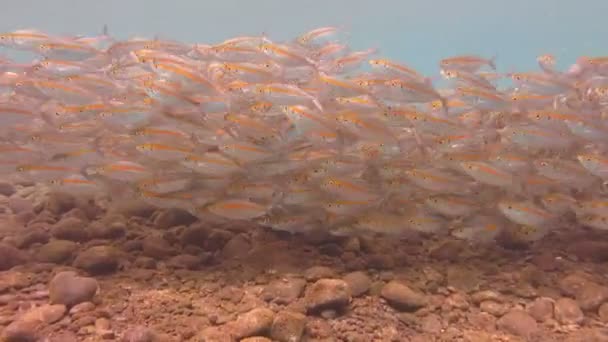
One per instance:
[(596, 251), (62, 336), (27, 326), (284, 291), (114, 230), (140, 334), (132, 208), (59, 203), (519, 323), (173, 217), (56, 251), (70, 228), (145, 262), (156, 247), (572, 284), (186, 261), (35, 235), (6, 189), (82, 307), (256, 339), (103, 328), (541, 309), (463, 278), (448, 250), (481, 296), (591, 296), (70, 289), (351, 244), (603, 312), (194, 235), (327, 294), (237, 247), (10, 257), (358, 282), (98, 260), (318, 272), (288, 326), (402, 297), (255, 322), (431, 324), (493, 308), (567, 311)]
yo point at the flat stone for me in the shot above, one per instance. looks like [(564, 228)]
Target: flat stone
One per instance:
[(98, 260), (567, 311), (288, 326), (255, 322), (327, 294), (358, 282), (402, 297), (519, 323), (70, 289), (56, 251)]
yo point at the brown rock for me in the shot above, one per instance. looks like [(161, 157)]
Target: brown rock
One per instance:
[(59, 203), (602, 312), (70, 289), (518, 322), (27, 326), (327, 294), (591, 296), (431, 324), (98, 260), (358, 282), (30, 237), (288, 326), (541, 309), (10, 257), (7, 189), (187, 261), (493, 308), (481, 296), (402, 297), (255, 322), (56, 251), (590, 250), (237, 247), (173, 217), (318, 272), (140, 334), (70, 228), (284, 291), (572, 284), (567, 311), (256, 339), (114, 230), (194, 235), (156, 247)]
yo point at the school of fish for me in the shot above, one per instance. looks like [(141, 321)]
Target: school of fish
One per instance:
[(308, 134)]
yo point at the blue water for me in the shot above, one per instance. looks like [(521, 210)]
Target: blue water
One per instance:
[(419, 32)]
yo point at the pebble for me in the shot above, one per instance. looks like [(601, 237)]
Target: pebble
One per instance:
[(431, 324), (56, 251), (518, 322), (327, 294), (156, 247), (114, 230), (98, 259), (591, 296), (194, 235), (567, 311), (173, 217), (185, 261), (284, 291), (27, 326), (237, 247), (288, 326), (10, 257), (256, 339), (254, 322), (484, 295), (315, 273), (32, 236), (82, 307), (493, 308), (402, 297), (70, 228), (7, 189), (603, 312), (103, 328), (571, 284), (70, 289), (140, 334), (541, 309), (358, 283)]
